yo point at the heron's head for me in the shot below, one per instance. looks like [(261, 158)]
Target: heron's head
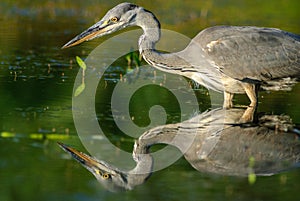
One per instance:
[(119, 17), (110, 177)]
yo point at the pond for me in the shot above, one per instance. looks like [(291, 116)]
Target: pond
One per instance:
[(39, 109)]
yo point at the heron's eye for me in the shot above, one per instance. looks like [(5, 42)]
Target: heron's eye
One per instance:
[(105, 176), (114, 19)]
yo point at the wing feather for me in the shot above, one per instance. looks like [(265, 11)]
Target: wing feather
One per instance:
[(251, 52)]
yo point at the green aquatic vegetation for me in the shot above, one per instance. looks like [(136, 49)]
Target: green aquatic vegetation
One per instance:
[(81, 87), (251, 175), (81, 63), (36, 136), (133, 58)]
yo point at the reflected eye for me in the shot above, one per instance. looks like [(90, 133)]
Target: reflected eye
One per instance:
[(114, 19), (105, 176)]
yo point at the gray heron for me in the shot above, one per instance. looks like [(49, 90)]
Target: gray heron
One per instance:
[(228, 59), (212, 142)]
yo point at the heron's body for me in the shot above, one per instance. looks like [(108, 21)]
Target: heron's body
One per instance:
[(231, 59), (248, 54), (212, 142)]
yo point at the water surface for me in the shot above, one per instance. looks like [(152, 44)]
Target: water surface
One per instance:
[(36, 85)]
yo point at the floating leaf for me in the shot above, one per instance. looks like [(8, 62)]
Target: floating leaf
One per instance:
[(7, 134), (251, 178), (251, 175), (79, 89), (251, 162), (36, 136), (57, 136), (81, 63)]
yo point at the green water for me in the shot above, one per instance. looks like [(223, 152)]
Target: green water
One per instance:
[(36, 85)]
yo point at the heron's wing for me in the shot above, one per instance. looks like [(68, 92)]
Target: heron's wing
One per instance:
[(251, 52)]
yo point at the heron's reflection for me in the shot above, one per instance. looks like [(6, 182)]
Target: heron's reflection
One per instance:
[(214, 142)]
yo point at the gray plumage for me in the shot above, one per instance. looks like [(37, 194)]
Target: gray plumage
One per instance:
[(257, 54), (212, 142), (231, 59), (215, 142), (223, 58)]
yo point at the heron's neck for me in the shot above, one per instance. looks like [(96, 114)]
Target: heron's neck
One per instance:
[(151, 27), (143, 169), (168, 62)]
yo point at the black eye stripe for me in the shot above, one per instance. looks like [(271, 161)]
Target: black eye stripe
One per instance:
[(132, 6)]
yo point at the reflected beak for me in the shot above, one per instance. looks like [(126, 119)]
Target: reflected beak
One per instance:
[(98, 29), (93, 165)]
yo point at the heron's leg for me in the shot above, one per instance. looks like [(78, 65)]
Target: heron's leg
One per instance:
[(251, 93), (227, 100), (248, 115)]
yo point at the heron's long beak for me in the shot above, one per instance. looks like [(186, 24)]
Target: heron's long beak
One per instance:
[(93, 165), (94, 31)]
